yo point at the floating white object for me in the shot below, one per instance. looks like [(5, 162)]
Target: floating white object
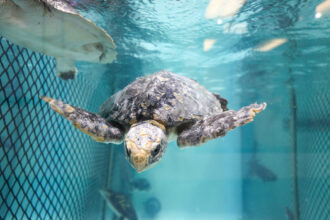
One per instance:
[(270, 44), (322, 9), (318, 15), (219, 21), (208, 44), (223, 8)]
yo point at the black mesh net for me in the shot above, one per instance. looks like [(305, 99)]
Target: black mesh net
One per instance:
[(292, 144), (313, 140), (49, 170)]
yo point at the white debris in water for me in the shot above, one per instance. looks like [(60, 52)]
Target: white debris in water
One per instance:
[(270, 44), (322, 9), (318, 15), (223, 8), (208, 44), (238, 28)]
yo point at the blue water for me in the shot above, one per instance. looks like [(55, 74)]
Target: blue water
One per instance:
[(273, 168)]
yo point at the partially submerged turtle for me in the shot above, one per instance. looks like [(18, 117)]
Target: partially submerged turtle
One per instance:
[(120, 204), (55, 28), (156, 109)]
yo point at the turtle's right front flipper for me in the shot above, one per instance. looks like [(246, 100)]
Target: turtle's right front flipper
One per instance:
[(89, 123), (217, 125)]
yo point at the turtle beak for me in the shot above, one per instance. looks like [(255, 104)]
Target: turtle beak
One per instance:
[(140, 161)]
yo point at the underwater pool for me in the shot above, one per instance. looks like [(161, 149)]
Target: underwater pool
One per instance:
[(275, 168)]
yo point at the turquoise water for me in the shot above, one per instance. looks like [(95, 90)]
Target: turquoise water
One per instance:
[(273, 168)]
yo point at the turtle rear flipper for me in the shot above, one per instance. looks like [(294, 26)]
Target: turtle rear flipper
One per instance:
[(218, 125), (89, 123)]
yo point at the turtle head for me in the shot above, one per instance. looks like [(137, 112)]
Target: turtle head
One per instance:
[(145, 144)]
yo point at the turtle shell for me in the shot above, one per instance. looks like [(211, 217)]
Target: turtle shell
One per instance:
[(163, 96)]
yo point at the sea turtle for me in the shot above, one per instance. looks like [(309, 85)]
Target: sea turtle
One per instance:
[(156, 109), (55, 28), (120, 204)]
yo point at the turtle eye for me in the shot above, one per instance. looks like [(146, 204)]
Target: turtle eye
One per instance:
[(155, 151)]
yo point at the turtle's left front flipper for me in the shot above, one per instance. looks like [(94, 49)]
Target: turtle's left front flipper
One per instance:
[(89, 123), (218, 125)]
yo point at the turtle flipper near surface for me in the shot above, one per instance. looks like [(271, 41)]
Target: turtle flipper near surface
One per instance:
[(89, 123), (218, 125), (55, 28)]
